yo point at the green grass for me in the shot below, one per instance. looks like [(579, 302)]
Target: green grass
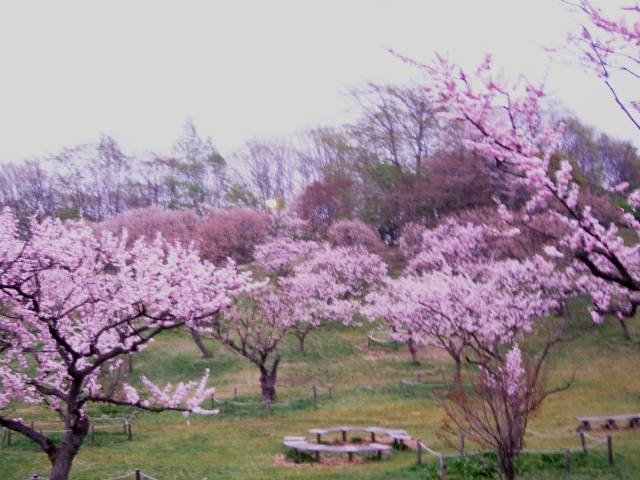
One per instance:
[(247, 442)]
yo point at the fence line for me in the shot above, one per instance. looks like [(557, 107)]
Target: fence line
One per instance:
[(596, 442), (383, 341), (137, 474), (126, 429), (228, 401)]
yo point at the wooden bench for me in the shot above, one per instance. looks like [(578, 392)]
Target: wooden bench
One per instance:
[(299, 443), (398, 435), (609, 421)]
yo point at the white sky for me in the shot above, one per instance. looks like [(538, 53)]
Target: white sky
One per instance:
[(136, 69)]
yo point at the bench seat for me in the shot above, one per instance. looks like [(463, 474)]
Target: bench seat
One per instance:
[(399, 435), (296, 444)]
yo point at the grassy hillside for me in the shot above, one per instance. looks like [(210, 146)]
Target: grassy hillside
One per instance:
[(246, 443)]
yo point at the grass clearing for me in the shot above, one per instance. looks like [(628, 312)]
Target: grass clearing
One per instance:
[(246, 443)]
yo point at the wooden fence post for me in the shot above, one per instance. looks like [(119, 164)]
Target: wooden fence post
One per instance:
[(138, 474), (462, 444), (93, 435), (401, 386), (213, 402), (129, 430), (268, 407), (315, 396), (419, 448), (441, 469), (567, 460), (330, 395), (130, 362), (413, 390), (609, 450), (9, 436), (583, 442), (34, 477), (235, 393), (224, 408)]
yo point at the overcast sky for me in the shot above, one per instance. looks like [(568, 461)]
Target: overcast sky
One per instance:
[(136, 70)]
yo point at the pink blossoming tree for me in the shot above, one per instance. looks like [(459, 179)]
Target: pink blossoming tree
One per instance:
[(319, 283), (505, 122), (74, 304), (459, 295)]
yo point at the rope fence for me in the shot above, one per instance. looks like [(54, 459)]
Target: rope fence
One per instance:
[(382, 337), (233, 401), (137, 475), (584, 448), (121, 423), (125, 424)]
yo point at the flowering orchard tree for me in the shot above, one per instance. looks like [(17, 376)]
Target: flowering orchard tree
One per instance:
[(319, 283), (457, 296), (471, 313), (505, 394), (280, 255), (73, 304), (330, 286), (505, 123), (253, 327)]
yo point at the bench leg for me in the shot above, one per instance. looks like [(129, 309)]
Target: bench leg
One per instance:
[(317, 456), (344, 435), (373, 437), (379, 454), (318, 438), (351, 456)]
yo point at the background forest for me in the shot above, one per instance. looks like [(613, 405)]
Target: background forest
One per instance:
[(396, 163)]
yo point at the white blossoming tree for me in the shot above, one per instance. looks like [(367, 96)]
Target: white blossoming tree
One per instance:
[(74, 304)]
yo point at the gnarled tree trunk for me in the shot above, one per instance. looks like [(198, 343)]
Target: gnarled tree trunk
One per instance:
[(411, 345), (206, 353), (268, 379), (61, 457)]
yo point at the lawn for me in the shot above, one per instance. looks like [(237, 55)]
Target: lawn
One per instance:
[(246, 442)]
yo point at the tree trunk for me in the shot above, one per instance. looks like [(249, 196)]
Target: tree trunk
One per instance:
[(62, 457), (301, 343), (206, 353), (625, 330), (268, 381), (414, 351), (507, 466), (457, 376)]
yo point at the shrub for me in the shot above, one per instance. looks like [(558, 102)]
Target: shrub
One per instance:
[(232, 233), (353, 233), (174, 225)]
